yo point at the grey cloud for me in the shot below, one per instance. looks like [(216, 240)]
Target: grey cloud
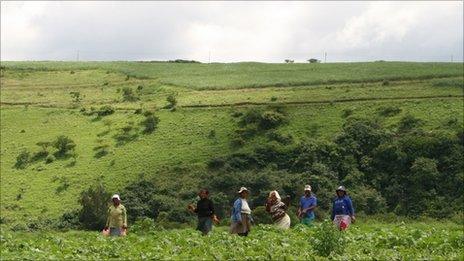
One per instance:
[(232, 31)]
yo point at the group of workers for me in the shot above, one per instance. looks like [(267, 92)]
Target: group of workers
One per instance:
[(241, 218)]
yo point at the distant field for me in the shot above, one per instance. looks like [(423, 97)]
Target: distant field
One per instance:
[(36, 106), (247, 75)]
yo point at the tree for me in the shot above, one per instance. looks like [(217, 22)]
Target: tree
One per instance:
[(314, 60), (288, 61), (94, 202), (63, 144)]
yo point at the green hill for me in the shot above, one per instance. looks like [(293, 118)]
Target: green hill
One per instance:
[(37, 105)]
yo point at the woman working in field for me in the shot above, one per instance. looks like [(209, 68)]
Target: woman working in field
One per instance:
[(277, 208), (342, 209), (205, 212), (117, 217), (241, 214)]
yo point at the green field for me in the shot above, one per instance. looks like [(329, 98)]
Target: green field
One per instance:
[(379, 241), (36, 106)]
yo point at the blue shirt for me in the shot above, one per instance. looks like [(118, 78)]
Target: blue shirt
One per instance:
[(237, 211), (306, 202), (342, 206)]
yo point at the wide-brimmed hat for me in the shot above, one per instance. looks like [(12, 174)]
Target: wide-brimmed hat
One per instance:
[(307, 188), (116, 196), (341, 188), (242, 189)]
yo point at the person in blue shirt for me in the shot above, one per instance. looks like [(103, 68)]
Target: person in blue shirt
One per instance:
[(308, 203), (241, 219), (342, 209)]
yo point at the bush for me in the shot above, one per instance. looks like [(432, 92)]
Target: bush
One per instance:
[(23, 159), (261, 216), (280, 138), (128, 94), (327, 239), (172, 101), (347, 112), (95, 203), (408, 123), (63, 144), (105, 111), (101, 150), (49, 159), (150, 123), (76, 97)]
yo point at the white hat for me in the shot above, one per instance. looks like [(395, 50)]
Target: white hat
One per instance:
[(116, 196), (242, 189), (307, 187)]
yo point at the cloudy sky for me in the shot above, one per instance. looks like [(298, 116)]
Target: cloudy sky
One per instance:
[(232, 31)]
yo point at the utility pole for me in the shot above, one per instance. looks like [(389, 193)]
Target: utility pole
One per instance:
[(325, 57), (77, 55)]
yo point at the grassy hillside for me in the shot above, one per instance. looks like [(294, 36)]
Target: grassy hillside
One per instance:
[(36, 106)]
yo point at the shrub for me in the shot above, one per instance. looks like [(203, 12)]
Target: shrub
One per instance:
[(128, 95), (101, 150), (347, 112), (105, 111), (94, 202), (313, 60), (69, 220), (49, 159), (150, 123), (23, 159), (63, 144), (172, 101), (408, 123), (127, 134), (271, 119), (327, 239), (280, 138), (76, 97)]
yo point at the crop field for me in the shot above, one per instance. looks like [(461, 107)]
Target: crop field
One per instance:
[(102, 106), (379, 241)]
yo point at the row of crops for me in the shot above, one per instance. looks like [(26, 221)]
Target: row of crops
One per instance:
[(384, 241)]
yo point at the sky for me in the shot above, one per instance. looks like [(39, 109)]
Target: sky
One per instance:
[(232, 31)]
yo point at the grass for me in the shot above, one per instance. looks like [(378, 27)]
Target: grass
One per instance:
[(364, 241)]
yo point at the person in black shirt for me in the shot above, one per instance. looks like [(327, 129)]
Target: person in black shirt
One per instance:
[(205, 212)]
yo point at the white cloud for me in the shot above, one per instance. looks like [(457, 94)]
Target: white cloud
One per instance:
[(232, 31)]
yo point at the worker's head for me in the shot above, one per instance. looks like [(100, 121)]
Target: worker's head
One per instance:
[(307, 190), (204, 193), (274, 196), (341, 191), (116, 199), (243, 192)]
